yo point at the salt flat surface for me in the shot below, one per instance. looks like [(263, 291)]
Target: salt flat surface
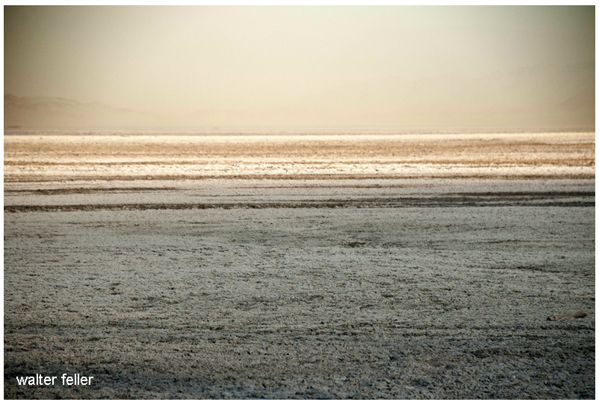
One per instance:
[(295, 170), (296, 267), (53, 158), (267, 191), (438, 302)]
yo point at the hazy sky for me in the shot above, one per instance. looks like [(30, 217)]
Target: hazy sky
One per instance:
[(324, 65)]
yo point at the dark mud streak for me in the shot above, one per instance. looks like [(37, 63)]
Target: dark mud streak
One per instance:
[(82, 190), (532, 199)]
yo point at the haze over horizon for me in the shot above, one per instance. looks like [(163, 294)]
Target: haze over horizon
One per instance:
[(402, 67)]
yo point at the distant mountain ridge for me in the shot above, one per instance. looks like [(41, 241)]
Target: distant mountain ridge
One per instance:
[(554, 98), (61, 112)]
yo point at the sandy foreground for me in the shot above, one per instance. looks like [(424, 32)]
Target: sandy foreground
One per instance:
[(300, 266)]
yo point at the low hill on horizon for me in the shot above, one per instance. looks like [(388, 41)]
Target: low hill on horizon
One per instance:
[(61, 112), (575, 113)]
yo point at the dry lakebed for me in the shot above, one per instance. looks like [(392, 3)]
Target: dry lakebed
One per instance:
[(300, 267)]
